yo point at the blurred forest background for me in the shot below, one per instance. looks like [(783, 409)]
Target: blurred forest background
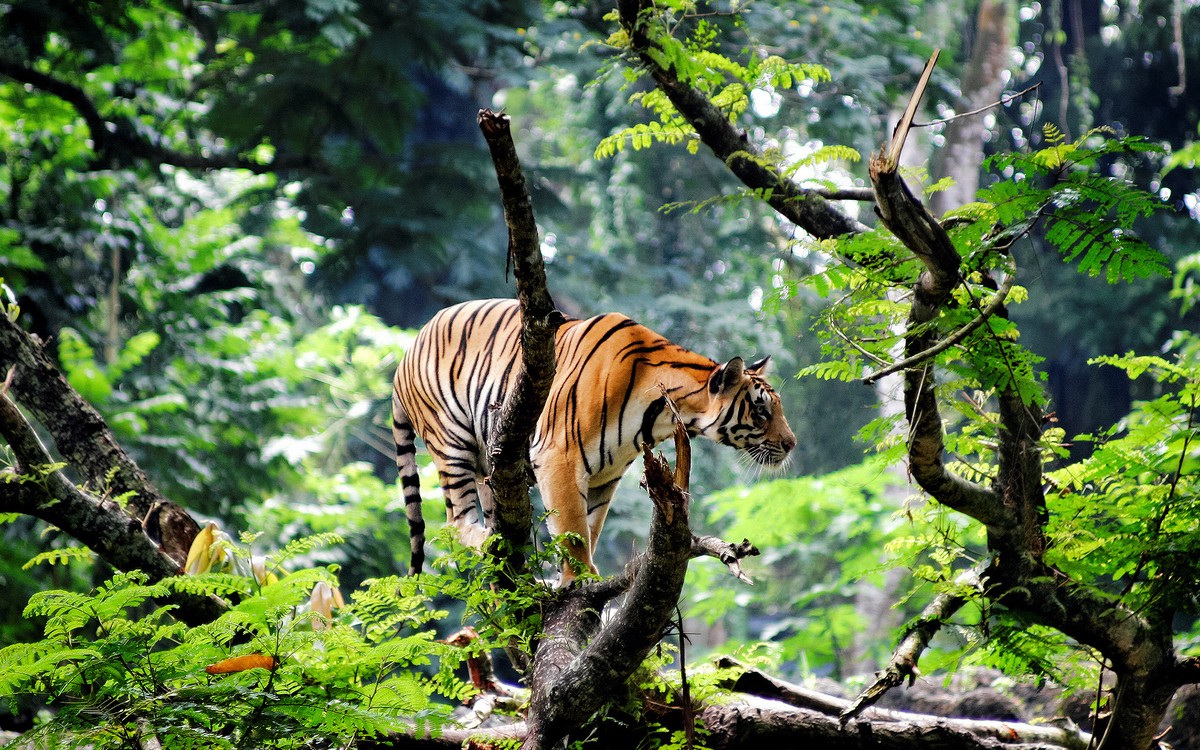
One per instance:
[(226, 217)]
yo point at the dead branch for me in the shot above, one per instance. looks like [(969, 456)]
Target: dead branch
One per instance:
[(903, 664), (966, 733), (900, 132), (727, 552), (574, 673), (509, 451), (758, 723), (1002, 101)]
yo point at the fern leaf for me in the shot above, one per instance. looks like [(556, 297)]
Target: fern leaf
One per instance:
[(59, 557)]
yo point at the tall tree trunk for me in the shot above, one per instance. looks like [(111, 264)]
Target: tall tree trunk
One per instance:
[(982, 83)]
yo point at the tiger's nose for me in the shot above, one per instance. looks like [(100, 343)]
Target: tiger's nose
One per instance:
[(788, 443)]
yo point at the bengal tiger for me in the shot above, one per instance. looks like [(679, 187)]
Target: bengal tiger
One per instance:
[(605, 402)]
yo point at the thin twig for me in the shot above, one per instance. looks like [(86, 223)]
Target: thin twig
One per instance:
[(993, 305), (1002, 101)]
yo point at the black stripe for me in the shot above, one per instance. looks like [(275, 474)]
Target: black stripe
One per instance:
[(653, 411)]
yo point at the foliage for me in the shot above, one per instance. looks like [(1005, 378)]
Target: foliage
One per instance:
[(1089, 218), (1126, 514), (192, 306), (692, 57), (276, 670), (820, 537)]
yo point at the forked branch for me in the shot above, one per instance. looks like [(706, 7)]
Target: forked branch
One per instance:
[(580, 666)]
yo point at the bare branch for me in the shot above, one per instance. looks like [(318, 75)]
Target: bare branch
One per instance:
[(900, 133), (727, 552), (757, 723), (903, 664), (999, 103), (959, 733), (509, 451)]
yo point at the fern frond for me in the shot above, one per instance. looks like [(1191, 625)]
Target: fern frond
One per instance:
[(304, 545), (59, 557)]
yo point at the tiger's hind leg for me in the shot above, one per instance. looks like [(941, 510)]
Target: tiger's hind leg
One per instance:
[(564, 493), (599, 499), (464, 490)]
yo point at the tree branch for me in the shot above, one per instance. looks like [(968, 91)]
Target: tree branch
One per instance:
[(994, 303), (727, 552), (509, 451), (1014, 512), (959, 733), (920, 632), (571, 681), (79, 432), (904, 215), (106, 528), (806, 209), (118, 143), (757, 723)]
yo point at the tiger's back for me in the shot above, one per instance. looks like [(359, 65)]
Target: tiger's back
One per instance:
[(606, 400)]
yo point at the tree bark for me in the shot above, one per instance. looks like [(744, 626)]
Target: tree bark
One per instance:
[(579, 667), (982, 83), (110, 529), (79, 432), (755, 724), (512, 472)]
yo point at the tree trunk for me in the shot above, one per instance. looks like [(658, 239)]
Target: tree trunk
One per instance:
[(961, 155)]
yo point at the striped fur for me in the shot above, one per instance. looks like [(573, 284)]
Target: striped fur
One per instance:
[(605, 402)]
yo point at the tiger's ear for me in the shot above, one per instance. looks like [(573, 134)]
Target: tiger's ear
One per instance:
[(761, 366), (727, 376)]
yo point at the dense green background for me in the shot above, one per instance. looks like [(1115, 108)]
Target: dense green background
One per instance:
[(221, 215)]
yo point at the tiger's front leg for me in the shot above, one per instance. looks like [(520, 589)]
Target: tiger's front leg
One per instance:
[(563, 485)]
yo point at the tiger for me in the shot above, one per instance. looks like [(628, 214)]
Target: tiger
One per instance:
[(608, 398)]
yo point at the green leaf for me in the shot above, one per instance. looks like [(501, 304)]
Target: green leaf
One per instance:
[(79, 363)]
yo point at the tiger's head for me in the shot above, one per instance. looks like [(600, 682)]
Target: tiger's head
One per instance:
[(745, 412)]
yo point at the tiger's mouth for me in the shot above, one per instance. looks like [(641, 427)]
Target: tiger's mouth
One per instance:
[(769, 454)]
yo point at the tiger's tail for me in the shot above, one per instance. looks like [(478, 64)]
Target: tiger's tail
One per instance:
[(410, 483)]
